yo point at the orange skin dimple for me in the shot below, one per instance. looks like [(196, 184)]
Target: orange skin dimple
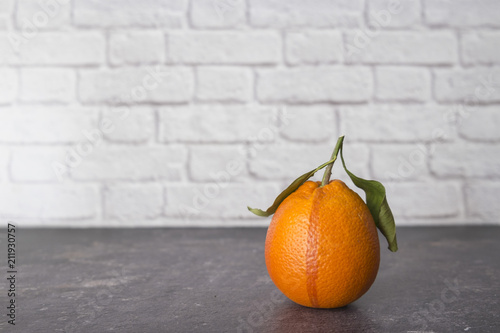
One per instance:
[(322, 247)]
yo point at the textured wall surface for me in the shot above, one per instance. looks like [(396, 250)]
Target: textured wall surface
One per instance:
[(177, 112)]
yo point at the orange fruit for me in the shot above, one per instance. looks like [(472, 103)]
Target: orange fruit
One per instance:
[(322, 247)]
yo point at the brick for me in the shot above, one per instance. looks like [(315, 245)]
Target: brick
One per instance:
[(8, 48), (9, 82), (131, 163), (209, 200), (262, 47), (309, 123), (402, 162), (49, 202), (401, 47), (218, 163), (155, 84), (4, 163), (462, 13), (129, 124), (224, 84), (465, 159), (402, 84), (124, 13), (419, 200), (214, 124), (480, 47), (296, 13), (389, 14), (6, 8), (218, 13), (274, 162), (39, 124), (45, 14), (47, 85), (313, 47), (136, 47), (397, 123), (314, 84), (482, 200), (29, 164), (480, 123), (5, 21), (133, 201), (469, 86), (64, 48)]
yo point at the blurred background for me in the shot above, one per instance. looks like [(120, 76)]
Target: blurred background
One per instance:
[(183, 112)]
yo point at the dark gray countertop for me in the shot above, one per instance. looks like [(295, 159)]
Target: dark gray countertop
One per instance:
[(443, 279)]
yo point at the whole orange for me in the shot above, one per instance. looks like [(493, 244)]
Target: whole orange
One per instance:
[(322, 247)]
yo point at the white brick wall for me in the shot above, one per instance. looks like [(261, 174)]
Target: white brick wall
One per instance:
[(48, 204), (394, 14), (218, 14), (133, 201), (214, 47), (5, 13), (224, 84), (318, 47), (216, 124), (37, 124), (130, 124), (62, 48), (402, 84), (403, 47), (136, 47), (32, 11), (320, 127), (314, 84), (462, 13), (9, 82), (208, 162), (125, 13), (151, 84), (480, 47), (34, 164), (131, 163), (313, 14), (52, 85), (182, 112)]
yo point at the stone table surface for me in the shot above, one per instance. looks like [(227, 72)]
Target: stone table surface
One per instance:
[(442, 279)]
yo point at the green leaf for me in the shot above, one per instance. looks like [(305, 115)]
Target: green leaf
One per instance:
[(375, 197), (377, 204), (289, 190)]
